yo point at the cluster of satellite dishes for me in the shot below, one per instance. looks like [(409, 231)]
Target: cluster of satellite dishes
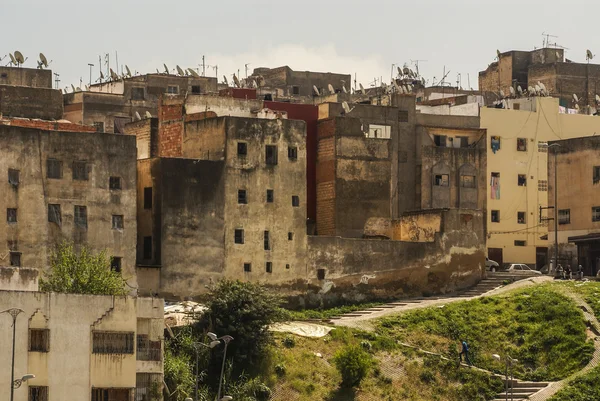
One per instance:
[(138, 117), (17, 59), (538, 89), (253, 82), (330, 88)]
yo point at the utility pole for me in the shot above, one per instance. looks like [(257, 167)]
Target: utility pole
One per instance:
[(13, 312), (246, 67)]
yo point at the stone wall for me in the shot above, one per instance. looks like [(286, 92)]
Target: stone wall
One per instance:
[(28, 102)]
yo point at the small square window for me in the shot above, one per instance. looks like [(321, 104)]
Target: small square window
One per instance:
[(38, 393), (242, 149), (441, 180), (292, 153), (564, 216), (196, 89), (267, 241), (137, 93), (80, 172), (53, 168), (148, 198), (247, 267), (271, 155), (11, 215), (522, 144), (596, 174), (114, 183), (173, 89), (99, 125), (54, 215), (269, 267), (117, 221), (596, 213), (290, 236), (115, 264), (15, 259), (295, 201), (147, 248), (287, 266), (270, 196), (467, 181), (520, 243), (242, 199), (39, 340), (80, 216), (521, 218), (13, 177), (238, 236), (320, 274), (295, 90), (522, 180), (495, 216)]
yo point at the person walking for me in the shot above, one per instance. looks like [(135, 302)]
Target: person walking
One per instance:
[(465, 352)]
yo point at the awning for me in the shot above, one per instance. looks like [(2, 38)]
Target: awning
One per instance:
[(584, 238)]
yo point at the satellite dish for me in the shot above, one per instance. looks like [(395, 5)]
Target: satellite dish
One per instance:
[(331, 90), (346, 108), (538, 89), (43, 60), (87, 87), (73, 87), (12, 59), (113, 75), (597, 99), (504, 104), (316, 91), (502, 93), (179, 70), (362, 89), (575, 98), (399, 71), (78, 89), (148, 115), (512, 91), (194, 73), (261, 81), (409, 87), (498, 54), (557, 55), (396, 86), (405, 71), (19, 57), (344, 89), (405, 87), (101, 75), (541, 84), (588, 54), (225, 80), (236, 81), (577, 107), (128, 71), (520, 90), (137, 116), (166, 69)]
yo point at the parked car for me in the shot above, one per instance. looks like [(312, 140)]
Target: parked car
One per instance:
[(521, 268), (491, 265)]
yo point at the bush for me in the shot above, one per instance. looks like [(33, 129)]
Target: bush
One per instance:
[(289, 342), (353, 364)]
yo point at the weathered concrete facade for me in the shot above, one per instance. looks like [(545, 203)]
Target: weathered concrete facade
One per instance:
[(290, 83), (31, 77)]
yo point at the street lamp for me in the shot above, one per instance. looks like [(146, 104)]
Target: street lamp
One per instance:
[(226, 339), (197, 346), (17, 383), (509, 363), (13, 312)]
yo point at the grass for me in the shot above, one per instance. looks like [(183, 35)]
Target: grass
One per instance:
[(541, 328), (584, 388), (590, 290), (324, 314)]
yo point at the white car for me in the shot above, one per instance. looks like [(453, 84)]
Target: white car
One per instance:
[(521, 268), (491, 265)]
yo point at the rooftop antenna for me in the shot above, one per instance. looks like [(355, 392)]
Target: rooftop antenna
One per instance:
[(316, 91), (216, 68), (148, 115), (43, 63), (193, 73), (56, 79), (203, 67), (236, 81), (546, 39), (331, 90), (416, 63), (90, 65), (166, 69), (19, 58), (588, 55), (225, 80), (392, 73), (346, 108), (137, 116), (180, 71), (128, 71), (13, 60), (246, 68)]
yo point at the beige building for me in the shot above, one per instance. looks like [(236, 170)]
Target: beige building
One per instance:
[(82, 347), (517, 174)]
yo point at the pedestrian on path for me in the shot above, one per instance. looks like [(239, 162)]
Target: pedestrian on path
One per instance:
[(465, 352)]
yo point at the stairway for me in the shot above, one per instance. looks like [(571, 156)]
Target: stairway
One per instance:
[(521, 390)]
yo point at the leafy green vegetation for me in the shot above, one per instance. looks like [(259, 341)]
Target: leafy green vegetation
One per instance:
[(324, 314), (353, 364), (590, 290), (81, 271), (584, 388), (544, 330)]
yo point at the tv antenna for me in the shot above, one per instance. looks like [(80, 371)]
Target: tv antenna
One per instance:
[(246, 68), (43, 62), (19, 58), (588, 55), (56, 79), (546, 39), (416, 63), (90, 65)]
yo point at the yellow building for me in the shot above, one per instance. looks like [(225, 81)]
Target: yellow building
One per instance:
[(517, 172)]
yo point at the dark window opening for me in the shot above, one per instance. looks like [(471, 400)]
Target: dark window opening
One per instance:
[(115, 264), (564, 216), (39, 340), (242, 149), (295, 201), (117, 221), (238, 236), (247, 267), (467, 181), (242, 199), (110, 342), (13, 177), (441, 180), (292, 153), (80, 216), (596, 213), (267, 241), (172, 89), (270, 196), (522, 180), (495, 216), (147, 350), (321, 274), (54, 215), (290, 236), (269, 267), (440, 140), (99, 125), (15, 259), (403, 116), (522, 144), (110, 394), (287, 266), (137, 93), (520, 243), (148, 198), (271, 155), (38, 393), (80, 171), (596, 174), (295, 90), (114, 183), (11, 215), (53, 168), (196, 89), (521, 218), (147, 248)]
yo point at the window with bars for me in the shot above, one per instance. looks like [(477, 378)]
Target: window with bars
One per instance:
[(522, 144), (542, 185), (114, 183), (247, 267), (80, 171), (564, 216), (242, 198), (110, 394), (173, 89), (38, 393), (292, 153), (522, 180), (596, 174), (147, 350), (495, 216), (137, 93), (80, 216), (196, 90), (147, 385), (11, 215), (117, 221), (39, 340), (271, 155), (521, 218), (112, 342), (543, 147), (596, 213), (238, 236), (53, 169), (267, 241), (54, 215), (520, 243), (13, 177)]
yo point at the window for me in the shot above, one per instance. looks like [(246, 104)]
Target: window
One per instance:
[(271, 155), (522, 144), (13, 177), (516, 106), (99, 125), (11, 215), (269, 267), (495, 216), (287, 266), (543, 147), (596, 213), (196, 89), (148, 198), (15, 259), (112, 342), (247, 267), (242, 199), (270, 196), (320, 274), (242, 149), (137, 93), (467, 181), (520, 243), (564, 216), (403, 116), (147, 350), (292, 153), (173, 89), (295, 201), (295, 90), (290, 236), (39, 340), (441, 180), (115, 264), (379, 131), (238, 236), (54, 215), (80, 216), (439, 140), (110, 394), (53, 168), (267, 241), (542, 185), (80, 172), (38, 393), (521, 217), (596, 174), (117, 221), (495, 143), (114, 183), (147, 248), (522, 180)]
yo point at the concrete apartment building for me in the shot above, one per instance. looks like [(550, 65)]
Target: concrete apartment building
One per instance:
[(80, 347)]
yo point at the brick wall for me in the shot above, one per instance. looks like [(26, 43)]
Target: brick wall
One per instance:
[(47, 125), (325, 177), (170, 126)]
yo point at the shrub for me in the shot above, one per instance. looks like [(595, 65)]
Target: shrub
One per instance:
[(353, 364), (289, 342), (280, 369)]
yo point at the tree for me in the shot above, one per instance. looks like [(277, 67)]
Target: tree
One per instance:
[(81, 272)]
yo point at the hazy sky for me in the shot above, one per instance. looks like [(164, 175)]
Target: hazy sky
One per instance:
[(362, 37)]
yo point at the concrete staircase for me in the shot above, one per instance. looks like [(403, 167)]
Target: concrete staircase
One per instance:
[(521, 390)]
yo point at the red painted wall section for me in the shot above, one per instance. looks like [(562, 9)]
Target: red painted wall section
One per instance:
[(238, 93), (309, 114)]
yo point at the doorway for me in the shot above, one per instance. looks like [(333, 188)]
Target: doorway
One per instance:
[(495, 254)]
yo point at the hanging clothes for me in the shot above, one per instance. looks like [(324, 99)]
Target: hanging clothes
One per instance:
[(495, 187), (495, 144)]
